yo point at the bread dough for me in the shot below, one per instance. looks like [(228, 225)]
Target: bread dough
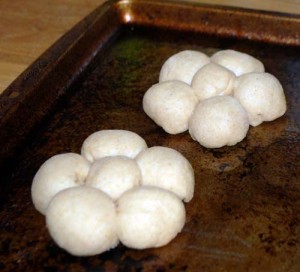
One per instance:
[(114, 175), (212, 80), (57, 173), (183, 66), (219, 121), (168, 169), (112, 143), (261, 94), (238, 62), (82, 220), (149, 217), (170, 105)]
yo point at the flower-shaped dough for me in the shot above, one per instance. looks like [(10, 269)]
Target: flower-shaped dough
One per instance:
[(89, 206), (214, 121)]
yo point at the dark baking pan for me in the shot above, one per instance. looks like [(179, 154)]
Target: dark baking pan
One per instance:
[(245, 215)]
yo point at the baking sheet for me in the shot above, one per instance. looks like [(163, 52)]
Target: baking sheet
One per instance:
[(245, 215)]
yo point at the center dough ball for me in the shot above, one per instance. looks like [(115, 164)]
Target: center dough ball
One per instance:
[(212, 80), (183, 66), (149, 217), (116, 142), (82, 220), (114, 175), (170, 105), (166, 168), (219, 121)]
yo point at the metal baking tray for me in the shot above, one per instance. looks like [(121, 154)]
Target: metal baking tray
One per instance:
[(245, 215)]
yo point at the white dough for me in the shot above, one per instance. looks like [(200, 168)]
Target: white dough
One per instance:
[(168, 169), (170, 105), (56, 174), (219, 121), (82, 220), (262, 95), (149, 217), (114, 175), (238, 62), (183, 66), (212, 80), (112, 143)]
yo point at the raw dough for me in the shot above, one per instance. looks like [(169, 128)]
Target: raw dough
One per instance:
[(238, 62), (114, 175), (170, 105), (57, 173), (212, 80), (112, 143), (168, 169), (183, 66), (219, 121), (149, 217), (261, 94), (82, 220)]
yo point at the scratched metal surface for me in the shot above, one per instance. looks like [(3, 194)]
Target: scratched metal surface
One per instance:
[(245, 212)]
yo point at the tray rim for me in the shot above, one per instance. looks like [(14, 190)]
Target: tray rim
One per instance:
[(122, 5), (209, 6), (13, 100), (266, 17)]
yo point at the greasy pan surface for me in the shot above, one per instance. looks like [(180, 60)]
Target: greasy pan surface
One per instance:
[(245, 215)]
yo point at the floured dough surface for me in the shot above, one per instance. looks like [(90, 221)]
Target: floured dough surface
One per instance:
[(237, 62), (219, 121), (170, 105), (105, 143), (166, 168), (149, 217), (56, 174), (183, 66), (262, 95), (83, 221), (213, 80), (114, 175)]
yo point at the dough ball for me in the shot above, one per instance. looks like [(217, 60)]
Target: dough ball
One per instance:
[(183, 66), (238, 62), (82, 221), (170, 105), (114, 175), (56, 174), (166, 168), (212, 80), (261, 94), (219, 121), (112, 143), (149, 217)]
